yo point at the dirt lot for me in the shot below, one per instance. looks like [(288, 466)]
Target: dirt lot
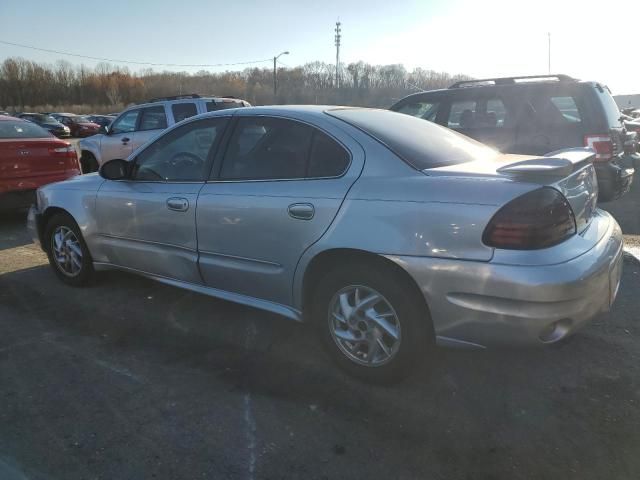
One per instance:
[(131, 379)]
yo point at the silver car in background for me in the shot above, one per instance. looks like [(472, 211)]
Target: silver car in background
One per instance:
[(390, 234)]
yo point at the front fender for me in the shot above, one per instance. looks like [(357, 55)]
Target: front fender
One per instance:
[(91, 145)]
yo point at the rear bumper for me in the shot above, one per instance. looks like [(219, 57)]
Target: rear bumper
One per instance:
[(487, 304), (17, 200)]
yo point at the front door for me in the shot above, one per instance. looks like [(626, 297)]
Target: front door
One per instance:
[(277, 190), (118, 143), (148, 222)]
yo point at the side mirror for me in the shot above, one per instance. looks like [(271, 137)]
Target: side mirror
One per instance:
[(116, 169), (104, 129)]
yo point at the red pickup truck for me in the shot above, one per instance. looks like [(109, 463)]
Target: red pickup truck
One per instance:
[(29, 158)]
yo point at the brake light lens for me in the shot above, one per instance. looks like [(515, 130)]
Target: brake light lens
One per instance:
[(602, 145), (538, 219)]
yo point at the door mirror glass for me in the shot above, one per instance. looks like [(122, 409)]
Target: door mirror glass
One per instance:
[(116, 169), (104, 129)]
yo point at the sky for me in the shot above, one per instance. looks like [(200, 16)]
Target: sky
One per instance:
[(481, 38)]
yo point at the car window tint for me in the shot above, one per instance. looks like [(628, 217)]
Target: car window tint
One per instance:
[(424, 110), (568, 108), (126, 123), (183, 110), (180, 155), (267, 148), (153, 118), (462, 114), (213, 106), (328, 159)]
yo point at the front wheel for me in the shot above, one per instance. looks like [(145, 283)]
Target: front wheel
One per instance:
[(68, 254), (88, 162), (373, 322)]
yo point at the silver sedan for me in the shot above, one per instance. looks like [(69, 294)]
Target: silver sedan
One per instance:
[(390, 234)]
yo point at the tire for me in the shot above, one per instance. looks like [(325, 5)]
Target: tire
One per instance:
[(398, 297), (70, 267), (88, 163)]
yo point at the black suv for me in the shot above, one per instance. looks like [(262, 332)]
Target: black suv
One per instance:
[(534, 116)]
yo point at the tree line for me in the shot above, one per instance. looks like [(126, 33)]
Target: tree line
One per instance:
[(27, 85)]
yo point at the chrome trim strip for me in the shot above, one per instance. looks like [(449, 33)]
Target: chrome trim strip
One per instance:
[(149, 242), (449, 342), (258, 303), (236, 257)]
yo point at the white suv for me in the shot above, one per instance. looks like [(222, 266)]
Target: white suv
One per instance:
[(140, 123)]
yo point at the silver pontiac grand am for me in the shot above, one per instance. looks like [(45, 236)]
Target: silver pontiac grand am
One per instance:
[(388, 233)]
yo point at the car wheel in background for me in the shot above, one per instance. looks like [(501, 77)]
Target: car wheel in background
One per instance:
[(88, 162), (373, 323), (68, 254)]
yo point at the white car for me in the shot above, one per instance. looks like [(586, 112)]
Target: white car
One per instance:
[(140, 123)]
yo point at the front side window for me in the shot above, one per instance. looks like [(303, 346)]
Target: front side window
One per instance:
[(462, 114), (126, 123), (425, 110), (153, 118), (267, 148), (213, 106), (181, 155), (183, 110)]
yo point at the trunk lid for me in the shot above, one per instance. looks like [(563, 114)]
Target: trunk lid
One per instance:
[(570, 171), (27, 158)]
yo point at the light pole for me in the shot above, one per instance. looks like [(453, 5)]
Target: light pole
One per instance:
[(275, 80)]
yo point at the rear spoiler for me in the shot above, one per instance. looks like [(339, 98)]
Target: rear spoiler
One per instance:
[(560, 163)]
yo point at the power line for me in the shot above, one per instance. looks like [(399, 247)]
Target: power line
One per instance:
[(115, 60)]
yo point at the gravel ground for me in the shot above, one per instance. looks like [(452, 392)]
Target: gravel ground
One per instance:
[(130, 379)]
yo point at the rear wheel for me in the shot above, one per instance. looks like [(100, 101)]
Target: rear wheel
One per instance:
[(88, 162), (374, 325), (68, 254)]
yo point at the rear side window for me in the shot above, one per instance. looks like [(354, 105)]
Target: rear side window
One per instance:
[(153, 118), (21, 129), (421, 144), (421, 109), (183, 110), (462, 114), (554, 108), (267, 148), (213, 106), (328, 159), (495, 113)]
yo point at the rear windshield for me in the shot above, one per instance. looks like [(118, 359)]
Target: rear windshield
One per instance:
[(21, 129), (213, 106), (80, 119), (610, 106), (420, 143)]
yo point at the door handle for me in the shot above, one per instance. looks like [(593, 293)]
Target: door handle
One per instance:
[(125, 140), (301, 211), (178, 204)]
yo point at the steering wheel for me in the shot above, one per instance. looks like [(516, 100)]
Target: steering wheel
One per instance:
[(185, 160)]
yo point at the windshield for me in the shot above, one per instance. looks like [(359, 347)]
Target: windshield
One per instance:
[(420, 143), (21, 129)]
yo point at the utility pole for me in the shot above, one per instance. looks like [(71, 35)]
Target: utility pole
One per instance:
[(549, 56), (337, 38)]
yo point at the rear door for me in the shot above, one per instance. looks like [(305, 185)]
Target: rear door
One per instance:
[(274, 192)]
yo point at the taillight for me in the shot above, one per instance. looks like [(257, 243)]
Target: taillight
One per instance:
[(602, 145), (538, 219)]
